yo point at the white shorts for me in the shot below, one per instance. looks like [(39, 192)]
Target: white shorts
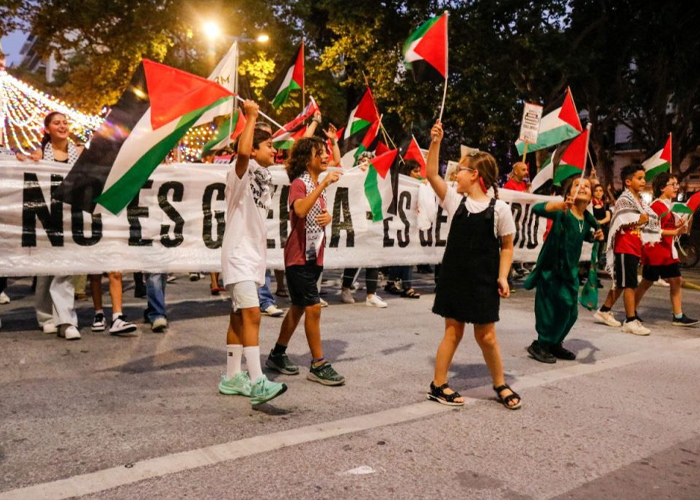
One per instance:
[(244, 295)]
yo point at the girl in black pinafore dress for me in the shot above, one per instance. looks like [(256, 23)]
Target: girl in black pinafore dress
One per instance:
[(475, 267)]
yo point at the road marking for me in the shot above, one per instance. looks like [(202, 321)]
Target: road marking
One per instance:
[(106, 479)]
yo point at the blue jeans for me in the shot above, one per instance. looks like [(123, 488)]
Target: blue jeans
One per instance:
[(155, 293), (265, 294)]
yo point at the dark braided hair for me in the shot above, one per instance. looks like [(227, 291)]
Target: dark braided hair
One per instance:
[(301, 155), (487, 167)]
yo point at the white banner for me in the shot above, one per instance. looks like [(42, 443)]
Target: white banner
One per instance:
[(176, 224)]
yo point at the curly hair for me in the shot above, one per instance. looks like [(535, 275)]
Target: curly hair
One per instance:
[(487, 167), (660, 181), (301, 155)]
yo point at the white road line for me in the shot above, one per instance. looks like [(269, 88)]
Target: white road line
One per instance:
[(178, 462)]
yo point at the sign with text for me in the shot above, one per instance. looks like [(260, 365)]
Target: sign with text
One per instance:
[(530, 126)]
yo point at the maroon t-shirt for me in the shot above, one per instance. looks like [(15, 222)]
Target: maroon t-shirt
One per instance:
[(295, 248)]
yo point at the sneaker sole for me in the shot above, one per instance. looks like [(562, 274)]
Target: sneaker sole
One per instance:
[(259, 401), (232, 392), (276, 368), (323, 381), (377, 306), (685, 324), (159, 329), (602, 321), (541, 359), (639, 334), (97, 329), (126, 330)]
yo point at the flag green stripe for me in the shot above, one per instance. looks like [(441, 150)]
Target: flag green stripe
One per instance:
[(680, 208), (549, 138), (220, 136), (358, 125), (420, 32), (565, 171), (123, 191), (283, 94), (653, 172), (373, 196)]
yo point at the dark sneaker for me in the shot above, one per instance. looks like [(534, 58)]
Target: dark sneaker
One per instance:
[(684, 321), (281, 363), (99, 323), (538, 352), (326, 375), (558, 351)]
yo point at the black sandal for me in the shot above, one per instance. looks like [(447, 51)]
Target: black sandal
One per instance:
[(508, 398), (438, 394), (410, 293)]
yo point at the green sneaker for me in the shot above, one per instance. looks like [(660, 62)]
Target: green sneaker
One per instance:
[(326, 375), (264, 390), (281, 363), (238, 385)]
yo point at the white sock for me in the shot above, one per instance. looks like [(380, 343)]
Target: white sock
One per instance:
[(99, 311), (116, 314), (234, 352), (252, 361)]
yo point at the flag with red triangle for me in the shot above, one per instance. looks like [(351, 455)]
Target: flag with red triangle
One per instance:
[(573, 159), (425, 52), (370, 141), (227, 133), (659, 162), (381, 184), (290, 78), (363, 115), (157, 108), (559, 123), (411, 151), (285, 137)]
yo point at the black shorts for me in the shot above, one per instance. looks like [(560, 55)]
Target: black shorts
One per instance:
[(302, 283), (626, 267), (653, 273)]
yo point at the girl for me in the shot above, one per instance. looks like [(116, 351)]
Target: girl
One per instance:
[(602, 214), (474, 270), (303, 258), (54, 296), (556, 273)]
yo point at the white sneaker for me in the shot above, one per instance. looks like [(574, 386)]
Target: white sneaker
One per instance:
[(606, 318), (273, 311), (375, 301), (121, 327), (323, 303), (49, 328), (635, 327), (4, 299), (159, 325), (70, 333), (346, 296)]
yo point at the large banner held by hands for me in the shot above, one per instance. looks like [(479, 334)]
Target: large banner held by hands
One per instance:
[(176, 223)]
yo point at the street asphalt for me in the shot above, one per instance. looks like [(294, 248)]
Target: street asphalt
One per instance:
[(141, 417)]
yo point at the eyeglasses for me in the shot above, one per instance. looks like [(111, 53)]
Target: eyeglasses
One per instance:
[(672, 184), (462, 168)]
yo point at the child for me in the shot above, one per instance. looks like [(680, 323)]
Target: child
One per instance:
[(625, 249), (556, 273), (474, 273), (661, 260), (303, 258), (243, 260)]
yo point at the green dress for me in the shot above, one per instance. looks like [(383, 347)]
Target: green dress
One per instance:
[(556, 273)]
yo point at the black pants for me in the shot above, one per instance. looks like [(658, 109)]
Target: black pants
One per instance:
[(371, 278), (403, 273), (3, 284)]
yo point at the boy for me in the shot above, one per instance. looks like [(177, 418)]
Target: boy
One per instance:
[(661, 259), (243, 260), (630, 218)]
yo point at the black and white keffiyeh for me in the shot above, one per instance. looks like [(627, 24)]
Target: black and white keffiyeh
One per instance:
[(628, 208), (314, 232), (72, 153)]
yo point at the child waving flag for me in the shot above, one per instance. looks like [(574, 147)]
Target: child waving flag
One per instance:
[(475, 267)]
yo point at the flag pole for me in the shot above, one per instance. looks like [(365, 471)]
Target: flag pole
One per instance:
[(234, 85), (303, 77), (525, 151), (670, 159), (385, 134), (281, 127), (444, 92), (585, 160)]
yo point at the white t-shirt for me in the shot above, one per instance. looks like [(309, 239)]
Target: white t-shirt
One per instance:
[(244, 250), (503, 221)]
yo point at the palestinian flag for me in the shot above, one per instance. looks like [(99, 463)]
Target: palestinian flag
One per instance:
[(369, 143), (158, 107), (426, 50), (545, 175), (361, 118), (412, 151), (227, 133), (694, 202), (381, 148), (559, 124), (573, 159), (660, 162), (285, 139), (290, 78), (381, 184)]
